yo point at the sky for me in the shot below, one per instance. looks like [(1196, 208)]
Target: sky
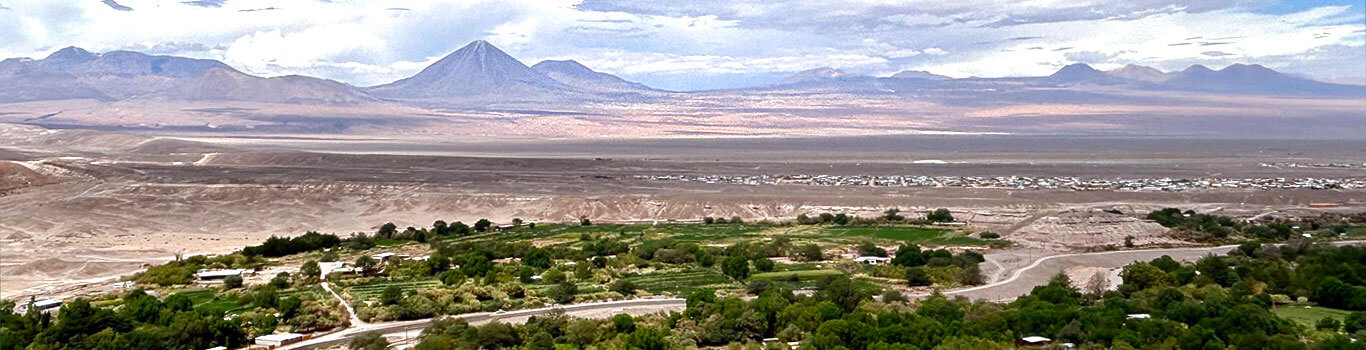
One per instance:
[(708, 44)]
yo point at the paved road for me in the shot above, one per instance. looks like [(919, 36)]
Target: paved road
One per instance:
[(1019, 282), (412, 328)]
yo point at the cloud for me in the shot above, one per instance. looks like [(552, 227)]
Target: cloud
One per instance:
[(205, 3), (116, 6), (709, 42)]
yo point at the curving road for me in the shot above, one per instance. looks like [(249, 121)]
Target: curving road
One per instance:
[(1019, 282), (1022, 280)]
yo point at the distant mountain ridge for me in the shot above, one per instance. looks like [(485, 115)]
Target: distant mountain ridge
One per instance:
[(480, 74), (1139, 73), (230, 85), (919, 74), (578, 76)]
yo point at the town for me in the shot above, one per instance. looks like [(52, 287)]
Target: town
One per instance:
[(1026, 182)]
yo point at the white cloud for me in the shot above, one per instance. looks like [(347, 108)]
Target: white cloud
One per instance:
[(367, 43)]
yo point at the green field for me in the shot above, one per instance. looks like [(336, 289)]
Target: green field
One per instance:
[(682, 282), (908, 234), (367, 291), (802, 275), (1308, 315)]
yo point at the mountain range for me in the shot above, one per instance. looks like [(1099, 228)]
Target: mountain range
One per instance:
[(481, 74)]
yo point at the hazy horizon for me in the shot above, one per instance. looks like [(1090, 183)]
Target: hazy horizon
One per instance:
[(707, 45)]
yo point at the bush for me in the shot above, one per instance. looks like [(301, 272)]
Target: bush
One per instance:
[(1329, 324), (940, 215), (989, 235), (893, 296), (763, 264), (563, 293), (553, 276), (232, 282), (624, 287), (810, 252), (391, 295), (623, 323), (918, 277), (369, 341)]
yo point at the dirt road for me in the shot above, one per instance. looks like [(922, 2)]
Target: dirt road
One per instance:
[(1045, 265)]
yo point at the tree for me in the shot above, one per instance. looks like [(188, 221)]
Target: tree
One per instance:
[(1128, 241), (810, 252), (1141, 275), (452, 277), (624, 287), (564, 292), (870, 249), (623, 323), (369, 341), (391, 295), (736, 267), (841, 291), (646, 339), (482, 225), (583, 221), (311, 271), (841, 219), (541, 341), (460, 229), (553, 276), (232, 282), (440, 228), (1355, 321), (582, 332), (893, 296), (893, 215), (909, 256), (387, 230), (1098, 283), (365, 263), (940, 215), (763, 264), (918, 277), (525, 275), (1328, 323), (971, 275), (281, 281), (536, 257), (708, 220)]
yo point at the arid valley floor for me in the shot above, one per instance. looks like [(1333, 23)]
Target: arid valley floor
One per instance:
[(81, 206)]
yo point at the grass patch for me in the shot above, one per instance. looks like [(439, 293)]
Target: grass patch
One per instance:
[(908, 234), (368, 291), (682, 282), (1308, 316), (802, 275)]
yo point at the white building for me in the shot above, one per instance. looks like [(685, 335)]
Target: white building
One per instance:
[(872, 260), (279, 339), (205, 275)]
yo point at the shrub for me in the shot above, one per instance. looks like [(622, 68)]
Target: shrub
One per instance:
[(232, 282), (763, 264), (624, 287), (563, 293)]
